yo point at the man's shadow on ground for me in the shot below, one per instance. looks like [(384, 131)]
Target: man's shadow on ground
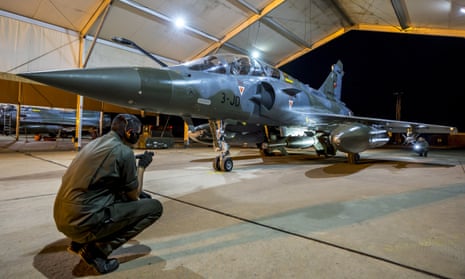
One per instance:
[(54, 261)]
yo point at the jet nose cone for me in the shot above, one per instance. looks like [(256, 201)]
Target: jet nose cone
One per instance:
[(90, 82), (137, 88)]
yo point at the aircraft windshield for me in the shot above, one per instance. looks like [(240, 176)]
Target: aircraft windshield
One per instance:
[(233, 64), (209, 64)]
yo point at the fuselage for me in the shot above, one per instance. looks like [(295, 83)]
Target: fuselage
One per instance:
[(224, 86)]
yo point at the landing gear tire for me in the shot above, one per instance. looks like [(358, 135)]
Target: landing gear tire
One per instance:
[(216, 163), (223, 164), (227, 164)]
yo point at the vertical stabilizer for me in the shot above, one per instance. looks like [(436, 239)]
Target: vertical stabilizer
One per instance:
[(333, 84)]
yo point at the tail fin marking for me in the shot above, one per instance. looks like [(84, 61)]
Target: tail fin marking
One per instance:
[(332, 86)]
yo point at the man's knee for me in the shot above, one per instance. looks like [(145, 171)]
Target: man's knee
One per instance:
[(155, 208)]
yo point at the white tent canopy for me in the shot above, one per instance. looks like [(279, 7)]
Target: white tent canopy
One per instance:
[(279, 30)]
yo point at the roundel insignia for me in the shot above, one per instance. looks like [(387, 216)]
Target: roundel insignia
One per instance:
[(241, 89)]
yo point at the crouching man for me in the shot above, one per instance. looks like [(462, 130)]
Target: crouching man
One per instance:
[(100, 204)]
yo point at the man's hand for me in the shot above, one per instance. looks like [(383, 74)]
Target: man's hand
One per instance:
[(145, 159)]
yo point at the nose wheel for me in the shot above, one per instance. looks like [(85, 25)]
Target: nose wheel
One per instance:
[(223, 163)]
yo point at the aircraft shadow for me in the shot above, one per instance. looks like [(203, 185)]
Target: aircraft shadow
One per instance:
[(238, 158), (345, 169), (336, 166)]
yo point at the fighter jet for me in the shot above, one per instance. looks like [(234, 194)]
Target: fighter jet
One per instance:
[(52, 121), (232, 90)]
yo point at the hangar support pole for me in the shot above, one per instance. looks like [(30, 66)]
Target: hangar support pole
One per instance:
[(18, 110), (104, 7), (186, 134), (77, 138), (79, 103)]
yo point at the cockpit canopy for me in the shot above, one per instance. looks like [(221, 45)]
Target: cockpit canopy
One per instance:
[(233, 64)]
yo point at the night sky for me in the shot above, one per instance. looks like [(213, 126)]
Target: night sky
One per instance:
[(428, 70)]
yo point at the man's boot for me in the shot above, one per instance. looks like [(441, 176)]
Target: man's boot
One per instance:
[(91, 255)]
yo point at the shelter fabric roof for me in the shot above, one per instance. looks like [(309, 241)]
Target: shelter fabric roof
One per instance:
[(280, 30)]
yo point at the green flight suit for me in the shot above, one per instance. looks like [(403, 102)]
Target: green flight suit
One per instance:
[(90, 205)]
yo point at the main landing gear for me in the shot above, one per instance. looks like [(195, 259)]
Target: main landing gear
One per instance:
[(353, 158), (222, 162)]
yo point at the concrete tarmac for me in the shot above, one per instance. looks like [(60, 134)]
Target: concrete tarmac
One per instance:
[(393, 215)]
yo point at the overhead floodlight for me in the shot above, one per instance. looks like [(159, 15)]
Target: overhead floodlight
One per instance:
[(163, 17), (180, 22), (462, 10), (255, 54)]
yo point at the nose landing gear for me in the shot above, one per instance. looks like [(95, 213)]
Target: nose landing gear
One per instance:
[(222, 162)]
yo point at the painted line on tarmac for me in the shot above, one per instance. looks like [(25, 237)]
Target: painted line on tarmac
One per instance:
[(305, 237)]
